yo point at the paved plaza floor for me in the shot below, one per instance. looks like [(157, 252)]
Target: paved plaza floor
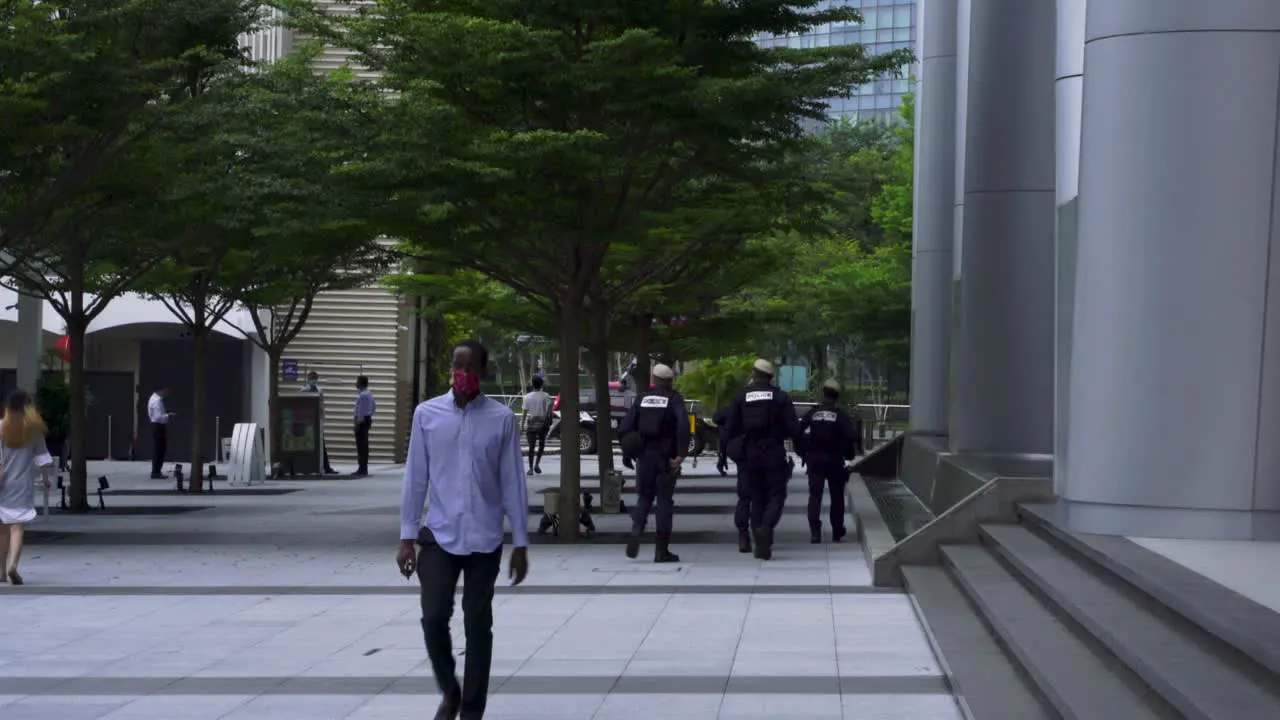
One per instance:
[(285, 604)]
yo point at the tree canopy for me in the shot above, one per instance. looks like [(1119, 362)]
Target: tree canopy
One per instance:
[(568, 150)]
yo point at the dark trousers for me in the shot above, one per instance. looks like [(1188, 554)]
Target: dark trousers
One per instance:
[(537, 443), (159, 446), (829, 476), (655, 481), (762, 491), (327, 466), (362, 445), (438, 572)]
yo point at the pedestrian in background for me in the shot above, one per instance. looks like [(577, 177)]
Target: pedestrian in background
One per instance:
[(313, 386), (24, 460), (365, 408), (464, 455), (160, 417), (537, 423)]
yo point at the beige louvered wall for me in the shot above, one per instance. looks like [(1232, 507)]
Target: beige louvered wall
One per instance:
[(352, 333)]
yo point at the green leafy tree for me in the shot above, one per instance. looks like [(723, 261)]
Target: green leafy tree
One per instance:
[(714, 383), (81, 81), (261, 214), (558, 132), (89, 92)]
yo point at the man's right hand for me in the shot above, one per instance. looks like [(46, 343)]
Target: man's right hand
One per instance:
[(406, 558)]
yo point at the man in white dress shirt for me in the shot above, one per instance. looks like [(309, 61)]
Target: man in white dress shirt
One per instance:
[(464, 451), (159, 417)]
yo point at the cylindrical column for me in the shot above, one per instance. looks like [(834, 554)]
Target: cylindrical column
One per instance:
[(1175, 358), (1068, 89), (30, 341), (934, 199), (1003, 345)]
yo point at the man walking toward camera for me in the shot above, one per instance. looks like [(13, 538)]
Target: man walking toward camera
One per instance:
[(464, 452)]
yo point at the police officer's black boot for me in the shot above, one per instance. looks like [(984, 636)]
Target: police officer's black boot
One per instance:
[(744, 541), (633, 542), (764, 544), (662, 555)]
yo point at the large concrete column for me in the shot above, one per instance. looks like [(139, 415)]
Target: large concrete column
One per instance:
[(1175, 358), (1068, 89), (30, 341), (1003, 344), (931, 263)]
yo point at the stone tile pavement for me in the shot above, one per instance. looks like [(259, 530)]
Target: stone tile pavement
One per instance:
[(285, 606)]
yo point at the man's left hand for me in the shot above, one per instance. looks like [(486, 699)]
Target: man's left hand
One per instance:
[(676, 463), (519, 566)]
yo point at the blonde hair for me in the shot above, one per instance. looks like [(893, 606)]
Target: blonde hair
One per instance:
[(22, 427)]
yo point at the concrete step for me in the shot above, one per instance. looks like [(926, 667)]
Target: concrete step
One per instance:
[(1078, 679), (1194, 672), (1250, 628), (986, 683)]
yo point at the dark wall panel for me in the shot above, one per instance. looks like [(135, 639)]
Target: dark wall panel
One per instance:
[(170, 363)]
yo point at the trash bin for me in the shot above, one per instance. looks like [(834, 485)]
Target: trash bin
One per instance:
[(611, 492), (550, 501)]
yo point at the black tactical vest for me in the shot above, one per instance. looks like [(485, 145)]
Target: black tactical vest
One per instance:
[(824, 431), (757, 409), (654, 416)]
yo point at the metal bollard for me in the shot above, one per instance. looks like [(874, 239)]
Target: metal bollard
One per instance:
[(110, 447)]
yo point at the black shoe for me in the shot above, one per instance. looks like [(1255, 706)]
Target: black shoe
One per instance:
[(662, 555), (744, 541), (538, 468), (449, 708), (330, 471), (360, 473), (764, 544), (530, 472), (633, 544), (815, 537), (838, 534), (159, 476)]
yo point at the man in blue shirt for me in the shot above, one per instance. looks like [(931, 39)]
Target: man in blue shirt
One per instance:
[(363, 416), (464, 452)]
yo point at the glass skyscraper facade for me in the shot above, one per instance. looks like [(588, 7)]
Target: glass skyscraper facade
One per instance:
[(886, 25)]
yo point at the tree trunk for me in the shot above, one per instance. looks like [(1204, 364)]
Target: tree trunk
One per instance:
[(199, 334), (78, 498), (604, 404), (644, 328), (435, 340), (524, 377), (570, 457), (275, 354)]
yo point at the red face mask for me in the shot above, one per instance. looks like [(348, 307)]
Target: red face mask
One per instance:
[(466, 384)]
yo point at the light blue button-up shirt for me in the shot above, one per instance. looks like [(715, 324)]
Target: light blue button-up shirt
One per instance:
[(365, 406), (469, 460)]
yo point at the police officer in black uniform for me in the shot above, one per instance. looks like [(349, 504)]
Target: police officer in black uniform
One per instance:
[(655, 435), (760, 421), (831, 440)]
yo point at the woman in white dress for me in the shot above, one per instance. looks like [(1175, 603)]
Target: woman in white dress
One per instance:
[(23, 458)]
